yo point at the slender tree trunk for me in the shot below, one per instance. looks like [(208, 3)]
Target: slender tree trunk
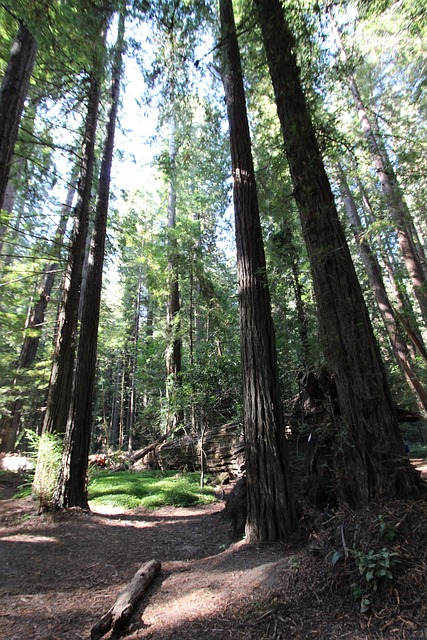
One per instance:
[(404, 311), (271, 506), (71, 490), (13, 92), (369, 456), (10, 423), (132, 364), (391, 323), (8, 204), (288, 252), (390, 188), (175, 416)]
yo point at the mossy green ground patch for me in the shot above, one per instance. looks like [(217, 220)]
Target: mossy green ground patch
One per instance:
[(149, 489)]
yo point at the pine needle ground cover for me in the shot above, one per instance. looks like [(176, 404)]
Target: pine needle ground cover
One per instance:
[(149, 489)]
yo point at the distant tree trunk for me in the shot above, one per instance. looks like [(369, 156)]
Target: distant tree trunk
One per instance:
[(8, 204), (271, 507), (404, 311), (285, 242), (369, 456), (390, 188), (372, 268), (71, 490), (133, 354), (175, 416), (9, 424), (13, 93), (115, 412)]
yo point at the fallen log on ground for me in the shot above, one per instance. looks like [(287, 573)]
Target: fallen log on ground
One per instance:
[(121, 611), (138, 455)]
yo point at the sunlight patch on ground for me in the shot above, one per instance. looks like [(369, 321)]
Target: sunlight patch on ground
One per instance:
[(25, 537), (13, 462), (106, 510)]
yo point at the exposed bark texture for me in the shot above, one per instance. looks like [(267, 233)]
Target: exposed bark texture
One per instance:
[(367, 437), (61, 379), (223, 451), (13, 93), (71, 489), (120, 612), (373, 270), (390, 187), (271, 506)]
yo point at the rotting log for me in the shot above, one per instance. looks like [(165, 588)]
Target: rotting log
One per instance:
[(120, 612)]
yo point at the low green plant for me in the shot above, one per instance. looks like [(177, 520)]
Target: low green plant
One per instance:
[(149, 489), (47, 450), (374, 567), (388, 529)]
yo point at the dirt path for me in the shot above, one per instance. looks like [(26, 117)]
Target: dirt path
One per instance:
[(59, 574)]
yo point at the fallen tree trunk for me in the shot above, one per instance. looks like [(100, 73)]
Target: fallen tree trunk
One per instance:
[(122, 609), (143, 452)]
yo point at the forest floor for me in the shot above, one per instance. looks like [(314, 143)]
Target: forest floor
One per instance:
[(59, 573)]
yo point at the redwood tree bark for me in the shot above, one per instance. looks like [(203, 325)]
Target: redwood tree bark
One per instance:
[(13, 92), (71, 490), (369, 456), (271, 506), (61, 379)]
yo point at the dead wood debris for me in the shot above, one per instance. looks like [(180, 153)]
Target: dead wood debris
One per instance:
[(121, 611)]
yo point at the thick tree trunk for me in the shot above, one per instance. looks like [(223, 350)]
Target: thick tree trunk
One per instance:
[(390, 188), (271, 506), (391, 323), (13, 92), (370, 458), (61, 380), (71, 490)]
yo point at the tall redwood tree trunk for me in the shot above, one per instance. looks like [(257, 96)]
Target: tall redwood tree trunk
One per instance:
[(71, 490), (369, 455), (271, 507), (13, 93), (61, 379)]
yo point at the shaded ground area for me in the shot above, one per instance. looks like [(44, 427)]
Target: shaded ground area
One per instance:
[(60, 573)]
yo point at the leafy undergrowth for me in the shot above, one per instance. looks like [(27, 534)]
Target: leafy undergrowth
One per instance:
[(373, 562), (149, 489)]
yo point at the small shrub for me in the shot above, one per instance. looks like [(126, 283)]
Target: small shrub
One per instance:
[(374, 567), (48, 450)]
